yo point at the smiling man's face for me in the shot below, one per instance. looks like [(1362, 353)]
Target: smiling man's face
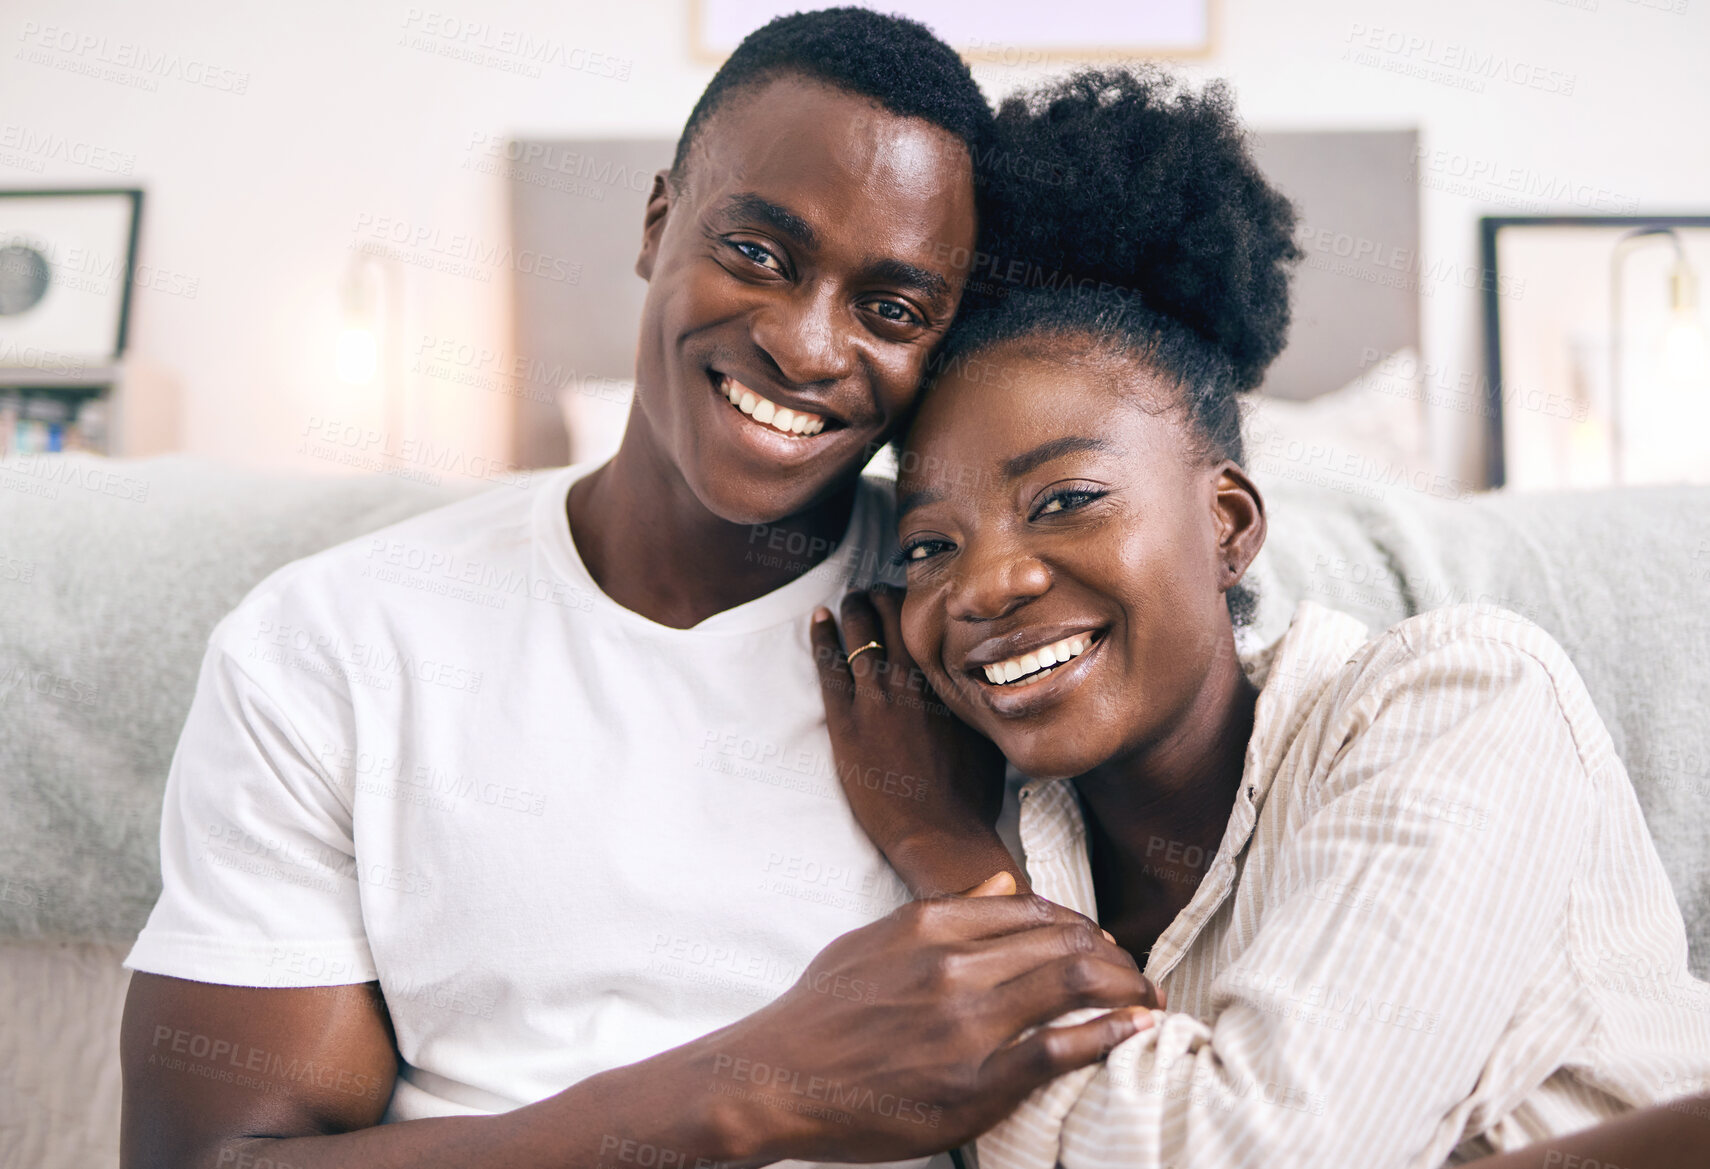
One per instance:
[(798, 281)]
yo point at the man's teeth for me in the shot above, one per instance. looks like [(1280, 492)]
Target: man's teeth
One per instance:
[(773, 415), (1030, 664)]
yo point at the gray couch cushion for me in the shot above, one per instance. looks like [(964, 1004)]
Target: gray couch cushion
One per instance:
[(1620, 578), (112, 577)]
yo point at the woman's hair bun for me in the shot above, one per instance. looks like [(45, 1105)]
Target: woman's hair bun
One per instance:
[(1123, 180)]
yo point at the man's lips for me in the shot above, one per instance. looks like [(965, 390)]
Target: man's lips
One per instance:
[(779, 411)]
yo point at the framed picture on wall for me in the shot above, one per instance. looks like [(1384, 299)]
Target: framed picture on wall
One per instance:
[(1006, 28), (1597, 349), (66, 263)]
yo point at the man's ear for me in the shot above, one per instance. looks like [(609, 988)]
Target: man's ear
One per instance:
[(653, 223), (1238, 510)]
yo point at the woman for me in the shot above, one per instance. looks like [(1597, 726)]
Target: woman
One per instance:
[(1380, 885)]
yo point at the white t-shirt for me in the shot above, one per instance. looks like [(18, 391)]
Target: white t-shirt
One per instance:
[(562, 837)]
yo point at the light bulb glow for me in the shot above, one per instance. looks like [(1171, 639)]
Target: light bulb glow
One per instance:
[(358, 356), (1686, 353)]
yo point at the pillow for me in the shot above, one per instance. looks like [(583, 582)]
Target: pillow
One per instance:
[(1362, 439)]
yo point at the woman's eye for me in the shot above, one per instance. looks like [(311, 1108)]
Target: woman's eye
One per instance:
[(921, 550), (1067, 501), (893, 310), (757, 254)]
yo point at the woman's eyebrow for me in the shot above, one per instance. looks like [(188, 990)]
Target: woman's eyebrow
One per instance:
[(919, 498), (1056, 448), (1014, 467)]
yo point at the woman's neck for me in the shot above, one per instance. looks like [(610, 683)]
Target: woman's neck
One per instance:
[(1156, 817)]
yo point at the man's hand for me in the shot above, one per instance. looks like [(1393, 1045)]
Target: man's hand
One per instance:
[(899, 1040), (915, 1034), (924, 786)]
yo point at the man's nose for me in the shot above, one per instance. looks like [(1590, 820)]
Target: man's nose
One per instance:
[(808, 337), (993, 579)]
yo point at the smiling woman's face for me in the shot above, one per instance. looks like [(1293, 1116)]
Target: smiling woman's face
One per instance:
[(1059, 502)]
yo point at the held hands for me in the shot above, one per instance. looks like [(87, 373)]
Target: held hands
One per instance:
[(912, 1034), (919, 1031), (924, 786)]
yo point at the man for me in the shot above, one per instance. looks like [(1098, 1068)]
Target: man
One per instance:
[(548, 866)]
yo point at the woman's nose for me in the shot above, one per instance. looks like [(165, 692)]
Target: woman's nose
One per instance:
[(995, 581)]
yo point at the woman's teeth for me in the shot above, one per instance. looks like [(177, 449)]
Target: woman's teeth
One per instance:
[(770, 413), (1033, 666)]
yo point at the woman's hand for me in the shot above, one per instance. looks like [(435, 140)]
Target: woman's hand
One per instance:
[(924, 786)]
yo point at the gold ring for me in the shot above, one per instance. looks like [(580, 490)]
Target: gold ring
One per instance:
[(870, 645)]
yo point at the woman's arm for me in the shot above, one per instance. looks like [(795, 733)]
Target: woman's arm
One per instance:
[(1382, 942), (924, 787)]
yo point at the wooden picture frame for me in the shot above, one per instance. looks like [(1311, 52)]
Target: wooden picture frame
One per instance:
[(1002, 31), (67, 264), (1548, 412)]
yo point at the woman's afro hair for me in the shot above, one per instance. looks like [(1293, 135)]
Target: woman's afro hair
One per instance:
[(1138, 216), (1126, 209)]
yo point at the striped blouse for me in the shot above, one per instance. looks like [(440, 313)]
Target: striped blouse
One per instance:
[(1435, 927)]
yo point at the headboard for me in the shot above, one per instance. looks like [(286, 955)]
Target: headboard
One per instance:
[(1356, 293)]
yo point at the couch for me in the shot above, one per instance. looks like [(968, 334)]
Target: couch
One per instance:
[(112, 573)]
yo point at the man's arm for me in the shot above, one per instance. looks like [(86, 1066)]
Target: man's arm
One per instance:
[(231, 1076), (897, 1041), (1675, 1135)]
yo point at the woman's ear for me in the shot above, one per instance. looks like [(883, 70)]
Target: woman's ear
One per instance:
[(1239, 514), (653, 222)]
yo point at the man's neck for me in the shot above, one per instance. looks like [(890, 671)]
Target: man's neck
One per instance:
[(652, 546), (1157, 819)]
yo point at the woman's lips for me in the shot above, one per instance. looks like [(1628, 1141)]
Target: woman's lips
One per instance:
[(1027, 668), (1045, 685)]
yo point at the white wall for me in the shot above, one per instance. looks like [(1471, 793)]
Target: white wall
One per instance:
[(259, 196)]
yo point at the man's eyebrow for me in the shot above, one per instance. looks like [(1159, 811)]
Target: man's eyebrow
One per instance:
[(901, 272), (887, 270), (1055, 449), (748, 205)]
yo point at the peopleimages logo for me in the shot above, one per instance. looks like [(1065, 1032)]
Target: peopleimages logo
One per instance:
[(51, 147), (512, 50), (1449, 62), (422, 243), (84, 52), (780, 1084)]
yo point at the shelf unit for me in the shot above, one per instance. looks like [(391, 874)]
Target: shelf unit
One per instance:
[(73, 404), (43, 411)]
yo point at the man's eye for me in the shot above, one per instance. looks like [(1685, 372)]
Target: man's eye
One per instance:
[(895, 310), (1067, 501), (759, 255)]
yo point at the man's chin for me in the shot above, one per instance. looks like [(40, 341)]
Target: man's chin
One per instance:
[(746, 491), (753, 500)]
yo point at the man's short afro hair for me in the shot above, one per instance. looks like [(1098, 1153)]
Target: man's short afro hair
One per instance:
[(896, 62)]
